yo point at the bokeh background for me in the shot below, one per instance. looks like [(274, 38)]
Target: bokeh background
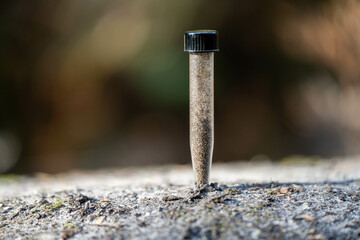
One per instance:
[(89, 84)]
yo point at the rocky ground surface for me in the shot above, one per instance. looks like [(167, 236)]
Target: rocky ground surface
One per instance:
[(293, 199)]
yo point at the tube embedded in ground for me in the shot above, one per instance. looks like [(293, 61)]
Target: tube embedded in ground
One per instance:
[(201, 45)]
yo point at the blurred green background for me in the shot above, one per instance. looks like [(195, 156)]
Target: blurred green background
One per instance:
[(88, 84)]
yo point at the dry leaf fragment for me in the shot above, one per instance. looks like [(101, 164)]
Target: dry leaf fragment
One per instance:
[(284, 190), (311, 231), (308, 217), (298, 187), (100, 220), (255, 188), (316, 237)]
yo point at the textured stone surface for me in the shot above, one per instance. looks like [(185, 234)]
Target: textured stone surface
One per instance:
[(311, 200)]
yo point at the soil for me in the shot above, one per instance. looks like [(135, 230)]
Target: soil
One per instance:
[(294, 199), (201, 114)]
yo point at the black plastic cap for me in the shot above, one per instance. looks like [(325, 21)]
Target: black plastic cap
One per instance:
[(201, 41)]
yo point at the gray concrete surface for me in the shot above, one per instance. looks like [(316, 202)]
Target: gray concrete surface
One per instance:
[(296, 198)]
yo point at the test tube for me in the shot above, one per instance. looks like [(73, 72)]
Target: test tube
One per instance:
[(201, 46)]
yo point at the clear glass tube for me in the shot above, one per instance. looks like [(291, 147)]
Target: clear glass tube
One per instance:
[(201, 114)]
